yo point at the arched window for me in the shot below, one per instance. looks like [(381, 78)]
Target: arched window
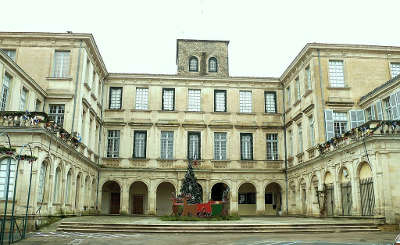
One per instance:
[(4, 176), (212, 65), (42, 180), (68, 187), (57, 185), (193, 64)]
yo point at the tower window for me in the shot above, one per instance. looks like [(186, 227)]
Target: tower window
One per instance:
[(193, 64), (212, 65)]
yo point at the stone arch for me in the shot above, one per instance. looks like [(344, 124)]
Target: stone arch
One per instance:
[(314, 194), (58, 187), (217, 190), (93, 192), (111, 197), (303, 195), (163, 194), (247, 199), (138, 198), (329, 192), (78, 189), (43, 180), (273, 198), (367, 191), (364, 170), (86, 188), (68, 185)]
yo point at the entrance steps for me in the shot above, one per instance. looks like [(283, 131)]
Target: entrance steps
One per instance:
[(215, 228)]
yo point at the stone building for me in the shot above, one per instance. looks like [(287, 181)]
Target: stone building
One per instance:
[(298, 144)]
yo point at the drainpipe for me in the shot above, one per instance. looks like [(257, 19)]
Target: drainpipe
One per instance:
[(76, 87), (322, 90), (99, 145), (285, 144)]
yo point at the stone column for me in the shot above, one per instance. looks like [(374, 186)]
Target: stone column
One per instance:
[(356, 196), (124, 199), (260, 201), (234, 209), (152, 198)]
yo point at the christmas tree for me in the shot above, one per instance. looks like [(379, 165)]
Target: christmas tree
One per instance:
[(190, 187)]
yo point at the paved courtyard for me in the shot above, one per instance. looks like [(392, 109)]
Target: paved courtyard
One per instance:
[(48, 235)]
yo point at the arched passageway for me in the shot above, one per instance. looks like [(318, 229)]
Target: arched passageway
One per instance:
[(314, 198), (138, 198), (111, 198), (303, 196), (329, 197), (273, 199), (163, 198), (247, 197), (78, 185), (367, 195), (218, 190)]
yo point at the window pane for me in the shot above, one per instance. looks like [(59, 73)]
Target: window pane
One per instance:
[(22, 104), (140, 145), (395, 69), (270, 102), (272, 146), (167, 145), (194, 99), (220, 146), (5, 91), (336, 73), (193, 64), (113, 143), (212, 65), (10, 53), (246, 147), (56, 114), (220, 99), (61, 64), (168, 99), (115, 98), (245, 101), (142, 98), (194, 145)]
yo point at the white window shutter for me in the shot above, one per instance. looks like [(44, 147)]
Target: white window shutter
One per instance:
[(397, 105), (330, 132), (353, 119), (392, 101), (360, 117), (379, 109), (373, 117)]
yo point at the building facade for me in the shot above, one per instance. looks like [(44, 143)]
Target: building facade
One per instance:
[(314, 141)]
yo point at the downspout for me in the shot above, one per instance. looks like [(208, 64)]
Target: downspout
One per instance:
[(99, 145), (285, 146), (76, 87), (322, 90)]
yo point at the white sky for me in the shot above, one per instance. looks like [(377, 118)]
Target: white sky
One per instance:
[(265, 36)]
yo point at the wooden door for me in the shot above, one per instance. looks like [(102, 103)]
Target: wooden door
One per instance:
[(115, 203), (137, 205)]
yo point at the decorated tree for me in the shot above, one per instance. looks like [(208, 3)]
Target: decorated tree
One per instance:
[(190, 187)]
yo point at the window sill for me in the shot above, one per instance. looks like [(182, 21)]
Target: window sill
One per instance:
[(220, 112), (227, 160), (307, 93), (112, 158), (272, 113), (338, 88), (247, 160), (60, 78), (166, 160), (246, 113), (87, 86), (116, 110), (138, 110), (167, 111), (197, 112), (57, 204), (139, 159)]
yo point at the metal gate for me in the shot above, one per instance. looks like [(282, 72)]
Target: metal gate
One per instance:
[(346, 198), (329, 200), (367, 196)]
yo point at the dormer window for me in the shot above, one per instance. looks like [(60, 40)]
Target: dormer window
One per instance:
[(193, 64), (212, 65)]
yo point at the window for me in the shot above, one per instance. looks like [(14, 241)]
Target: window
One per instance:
[(370, 113), (22, 103), (219, 146), (38, 105), (288, 93), (5, 91), (245, 101), (10, 53), (61, 64), (56, 114), (139, 144), (246, 146), (220, 100), (336, 73), (142, 99), (395, 69), (308, 78), (194, 144), (388, 109), (42, 182), (272, 146), (270, 102), (4, 175), (356, 118), (115, 98), (290, 143), (113, 143), (312, 132), (298, 88), (67, 188), (212, 65), (168, 99), (193, 64), (339, 123), (392, 106), (167, 145), (194, 99), (300, 139)]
